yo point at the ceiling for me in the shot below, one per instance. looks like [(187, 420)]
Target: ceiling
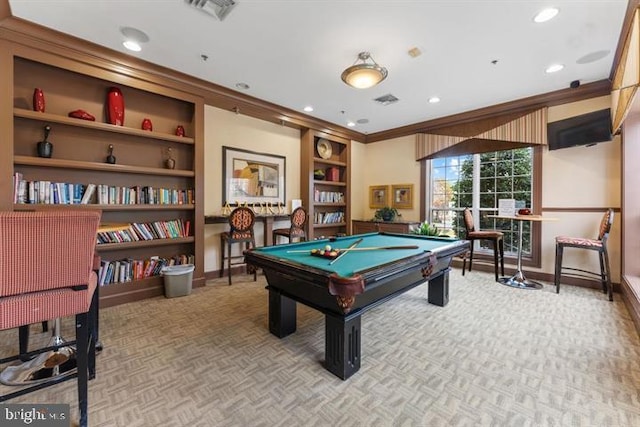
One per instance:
[(475, 53)]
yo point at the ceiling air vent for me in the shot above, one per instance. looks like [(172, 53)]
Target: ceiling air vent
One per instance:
[(387, 99), (217, 8)]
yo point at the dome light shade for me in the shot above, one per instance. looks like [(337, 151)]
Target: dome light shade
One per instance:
[(365, 74)]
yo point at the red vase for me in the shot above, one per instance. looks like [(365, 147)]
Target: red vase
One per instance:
[(115, 107), (180, 130), (147, 125), (38, 100)]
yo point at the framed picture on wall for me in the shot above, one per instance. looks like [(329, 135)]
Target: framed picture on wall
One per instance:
[(253, 178), (402, 196), (378, 196)]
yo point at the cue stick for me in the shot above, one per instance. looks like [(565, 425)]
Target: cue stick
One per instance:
[(344, 251), (380, 248), (371, 248)]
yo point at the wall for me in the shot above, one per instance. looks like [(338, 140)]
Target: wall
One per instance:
[(577, 183), (387, 163), (224, 128)]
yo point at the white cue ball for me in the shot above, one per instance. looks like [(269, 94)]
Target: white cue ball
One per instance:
[(327, 248)]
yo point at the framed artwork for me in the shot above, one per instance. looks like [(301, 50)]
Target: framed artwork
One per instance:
[(378, 196), (252, 178), (402, 196)]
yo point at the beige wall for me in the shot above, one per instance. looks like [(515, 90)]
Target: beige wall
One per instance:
[(387, 163), (579, 177), (224, 128)]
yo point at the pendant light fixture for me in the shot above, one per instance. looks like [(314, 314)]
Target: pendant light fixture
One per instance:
[(365, 74)]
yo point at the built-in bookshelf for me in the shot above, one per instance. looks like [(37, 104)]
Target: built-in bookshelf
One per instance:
[(325, 183), (158, 199)]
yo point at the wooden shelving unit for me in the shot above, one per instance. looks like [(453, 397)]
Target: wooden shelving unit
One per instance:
[(80, 148), (326, 217)]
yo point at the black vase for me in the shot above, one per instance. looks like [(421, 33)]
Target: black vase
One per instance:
[(45, 148)]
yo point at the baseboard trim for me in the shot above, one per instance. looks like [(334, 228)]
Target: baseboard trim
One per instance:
[(631, 298)]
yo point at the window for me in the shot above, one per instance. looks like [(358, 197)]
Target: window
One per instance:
[(478, 181)]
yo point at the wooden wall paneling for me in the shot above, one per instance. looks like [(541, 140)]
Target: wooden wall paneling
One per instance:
[(81, 147), (6, 127)]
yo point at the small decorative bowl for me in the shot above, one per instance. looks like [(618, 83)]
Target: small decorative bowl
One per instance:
[(524, 211)]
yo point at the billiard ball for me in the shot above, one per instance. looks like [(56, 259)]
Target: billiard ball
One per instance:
[(327, 248)]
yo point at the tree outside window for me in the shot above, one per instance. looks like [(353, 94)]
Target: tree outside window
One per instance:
[(478, 181)]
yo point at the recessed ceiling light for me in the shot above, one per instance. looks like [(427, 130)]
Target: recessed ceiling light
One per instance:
[(134, 38), (554, 68), (308, 108), (362, 121), (242, 86), (132, 45), (434, 100), (351, 124), (546, 14)]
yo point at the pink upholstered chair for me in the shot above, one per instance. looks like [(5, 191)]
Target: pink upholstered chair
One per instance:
[(599, 244), (46, 272), (297, 229)]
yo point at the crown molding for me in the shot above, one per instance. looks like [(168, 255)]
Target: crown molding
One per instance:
[(564, 96)]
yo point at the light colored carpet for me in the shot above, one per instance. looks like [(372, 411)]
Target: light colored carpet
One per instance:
[(494, 356)]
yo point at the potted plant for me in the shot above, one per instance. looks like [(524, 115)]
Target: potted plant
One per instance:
[(426, 229), (386, 214)]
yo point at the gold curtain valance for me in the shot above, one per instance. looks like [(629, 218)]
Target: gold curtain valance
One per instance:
[(526, 130), (627, 76)]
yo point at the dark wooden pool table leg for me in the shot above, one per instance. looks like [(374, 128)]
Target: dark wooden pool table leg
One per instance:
[(439, 288), (342, 345), (282, 314)]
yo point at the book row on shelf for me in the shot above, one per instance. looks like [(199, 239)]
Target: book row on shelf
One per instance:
[(328, 217), (137, 231), (328, 197), (47, 192), (128, 270)]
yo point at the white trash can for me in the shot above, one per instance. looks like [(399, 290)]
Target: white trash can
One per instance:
[(177, 280)]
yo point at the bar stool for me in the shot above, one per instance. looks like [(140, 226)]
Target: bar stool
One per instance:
[(297, 229), (598, 244), (241, 221), (494, 236)]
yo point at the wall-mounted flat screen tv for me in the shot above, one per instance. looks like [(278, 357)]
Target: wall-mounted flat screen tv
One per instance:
[(586, 129)]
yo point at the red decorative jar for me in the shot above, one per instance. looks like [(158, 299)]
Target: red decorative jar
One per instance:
[(332, 174), (38, 100), (115, 107), (180, 130), (147, 125)]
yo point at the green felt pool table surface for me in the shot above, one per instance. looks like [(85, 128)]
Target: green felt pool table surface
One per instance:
[(354, 262)]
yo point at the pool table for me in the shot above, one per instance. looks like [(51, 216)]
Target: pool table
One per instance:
[(375, 271)]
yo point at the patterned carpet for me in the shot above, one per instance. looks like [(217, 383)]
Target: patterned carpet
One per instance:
[(494, 356)]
